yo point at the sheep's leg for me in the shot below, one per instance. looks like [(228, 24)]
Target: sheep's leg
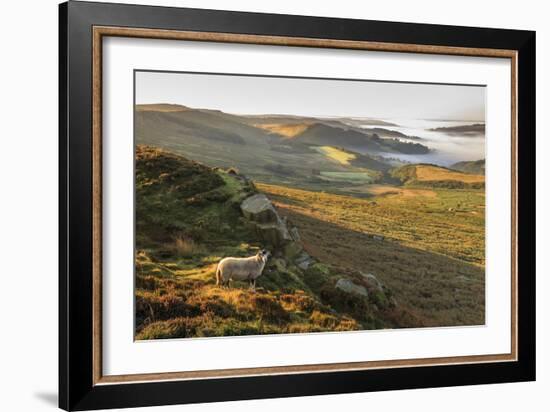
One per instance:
[(253, 285)]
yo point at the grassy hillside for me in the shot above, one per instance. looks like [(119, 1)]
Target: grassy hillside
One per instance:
[(284, 129), (219, 139), (383, 132), (437, 176), (427, 245), (338, 155), (357, 161), (476, 167), (355, 139), (162, 107), (168, 121), (187, 218)]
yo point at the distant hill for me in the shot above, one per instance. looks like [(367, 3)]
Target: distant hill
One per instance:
[(363, 121), (162, 107), (350, 158), (341, 121), (284, 129), (337, 133), (163, 121), (267, 152), (322, 134), (169, 121), (437, 176), (380, 131), (464, 130), (475, 167)]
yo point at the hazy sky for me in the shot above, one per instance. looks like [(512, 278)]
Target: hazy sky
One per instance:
[(312, 97)]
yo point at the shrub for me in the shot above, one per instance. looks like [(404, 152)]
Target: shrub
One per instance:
[(354, 305), (147, 282), (316, 276), (151, 307), (347, 324), (212, 304), (187, 247), (324, 320), (294, 302), (181, 327), (379, 299), (269, 309)]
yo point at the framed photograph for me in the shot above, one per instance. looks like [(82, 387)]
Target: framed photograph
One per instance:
[(257, 205)]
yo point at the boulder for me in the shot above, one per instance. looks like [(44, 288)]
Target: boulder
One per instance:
[(263, 217), (372, 281), (295, 234), (275, 234), (347, 286), (304, 261), (258, 208)]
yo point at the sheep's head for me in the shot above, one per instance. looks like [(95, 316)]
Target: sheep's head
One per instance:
[(264, 254)]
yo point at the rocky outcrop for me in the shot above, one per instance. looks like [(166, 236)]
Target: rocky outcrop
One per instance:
[(295, 234), (347, 286), (304, 261), (274, 230), (372, 281), (262, 216), (364, 289), (259, 209)]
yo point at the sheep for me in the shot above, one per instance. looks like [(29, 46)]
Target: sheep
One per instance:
[(250, 268)]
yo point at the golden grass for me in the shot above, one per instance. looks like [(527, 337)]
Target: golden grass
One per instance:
[(428, 249), (431, 173), (422, 222), (387, 190), (337, 155), (206, 273), (185, 306), (283, 129)]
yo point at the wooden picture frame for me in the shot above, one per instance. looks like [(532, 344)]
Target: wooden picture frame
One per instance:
[(83, 26)]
